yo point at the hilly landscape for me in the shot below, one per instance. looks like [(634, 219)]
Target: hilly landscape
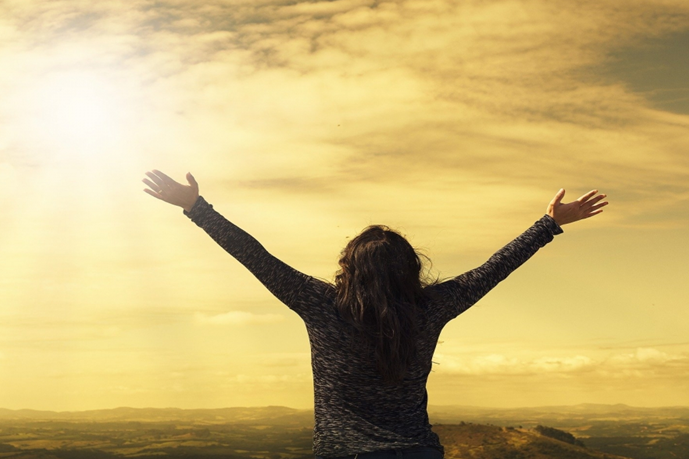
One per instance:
[(480, 441), (635, 432), (578, 432)]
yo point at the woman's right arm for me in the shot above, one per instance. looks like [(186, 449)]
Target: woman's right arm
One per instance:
[(283, 281)]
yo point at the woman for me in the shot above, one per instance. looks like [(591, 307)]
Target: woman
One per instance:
[(373, 333)]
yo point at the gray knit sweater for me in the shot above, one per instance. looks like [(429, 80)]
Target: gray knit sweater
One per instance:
[(355, 412)]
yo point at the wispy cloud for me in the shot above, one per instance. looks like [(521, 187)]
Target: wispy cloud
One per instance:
[(643, 362), (315, 96), (239, 318)]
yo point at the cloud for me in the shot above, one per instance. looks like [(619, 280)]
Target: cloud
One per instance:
[(244, 379), (644, 362), (317, 95), (239, 318), (283, 360), (458, 93), (57, 335), (498, 364)]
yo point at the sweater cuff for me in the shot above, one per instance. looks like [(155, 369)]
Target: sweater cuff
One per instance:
[(550, 223), (199, 208)]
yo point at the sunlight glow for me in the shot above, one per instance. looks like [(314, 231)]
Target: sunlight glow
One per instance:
[(77, 111)]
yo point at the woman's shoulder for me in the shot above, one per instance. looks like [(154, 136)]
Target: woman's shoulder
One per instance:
[(315, 294), (322, 286)]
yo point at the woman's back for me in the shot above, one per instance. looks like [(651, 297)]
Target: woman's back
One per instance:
[(356, 410)]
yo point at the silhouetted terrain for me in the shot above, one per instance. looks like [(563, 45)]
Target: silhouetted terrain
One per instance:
[(638, 433), (285, 433), (480, 441)]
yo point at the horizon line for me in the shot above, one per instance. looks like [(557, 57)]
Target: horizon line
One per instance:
[(430, 407)]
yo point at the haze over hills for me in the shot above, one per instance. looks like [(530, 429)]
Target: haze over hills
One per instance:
[(275, 415), (571, 415)]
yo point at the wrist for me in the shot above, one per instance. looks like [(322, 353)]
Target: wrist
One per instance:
[(553, 224), (552, 215), (190, 205)]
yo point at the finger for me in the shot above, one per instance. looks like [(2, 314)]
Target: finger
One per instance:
[(593, 213), (192, 181), (168, 181), (558, 197), (154, 194), (585, 197), (152, 185), (593, 200), (598, 206), (158, 181)]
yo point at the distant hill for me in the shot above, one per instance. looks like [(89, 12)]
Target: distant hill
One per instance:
[(273, 415), (478, 441), (573, 415), (529, 416)]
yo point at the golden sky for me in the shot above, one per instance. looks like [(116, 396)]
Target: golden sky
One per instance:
[(452, 121)]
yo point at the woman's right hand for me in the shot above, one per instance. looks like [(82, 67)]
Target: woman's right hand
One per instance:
[(164, 188)]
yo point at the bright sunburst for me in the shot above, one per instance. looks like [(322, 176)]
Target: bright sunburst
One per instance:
[(78, 112)]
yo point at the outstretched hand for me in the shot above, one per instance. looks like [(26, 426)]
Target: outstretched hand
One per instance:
[(164, 188), (586, 206)]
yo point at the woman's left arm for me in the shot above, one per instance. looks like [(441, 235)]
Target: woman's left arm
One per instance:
[(465, 290)]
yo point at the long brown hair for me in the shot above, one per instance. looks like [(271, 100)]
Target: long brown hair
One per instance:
[(380, 292)]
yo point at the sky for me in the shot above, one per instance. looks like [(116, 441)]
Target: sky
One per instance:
[(303, 122)]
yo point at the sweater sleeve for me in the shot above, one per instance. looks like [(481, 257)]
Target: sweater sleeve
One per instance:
[(283, 281), (460, 293)]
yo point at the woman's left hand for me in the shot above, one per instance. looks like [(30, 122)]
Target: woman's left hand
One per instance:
[(586, 206)]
